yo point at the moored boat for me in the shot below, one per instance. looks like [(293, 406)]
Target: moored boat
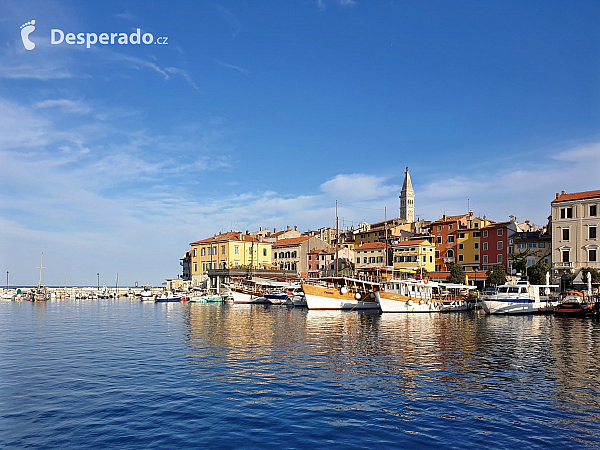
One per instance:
[(574, 304), (520, 298), (341, 293), (408, 296)]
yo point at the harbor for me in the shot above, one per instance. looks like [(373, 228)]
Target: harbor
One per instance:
[(98, 374)]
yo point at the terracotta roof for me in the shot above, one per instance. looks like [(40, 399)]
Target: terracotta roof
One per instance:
[(291, 241), (409, 243), (449, 219), (229, 236), (496, 225), (369, 246), (564, 197)]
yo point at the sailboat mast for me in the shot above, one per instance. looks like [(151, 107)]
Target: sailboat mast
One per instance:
[(41, 267), (337, 238)]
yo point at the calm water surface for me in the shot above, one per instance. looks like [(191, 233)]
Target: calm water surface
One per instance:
[(126, 374)]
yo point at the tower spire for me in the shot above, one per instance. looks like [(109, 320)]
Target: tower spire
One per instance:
[(407, 199)]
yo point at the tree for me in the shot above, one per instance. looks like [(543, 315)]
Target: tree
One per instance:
[(520, 260), (496, 275), (537, 272), (457, 274), (594, 272)]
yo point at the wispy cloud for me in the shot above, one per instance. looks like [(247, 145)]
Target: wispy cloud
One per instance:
[(358, 186), (231, 66), (26, 71), (67, 106), (126, 15)]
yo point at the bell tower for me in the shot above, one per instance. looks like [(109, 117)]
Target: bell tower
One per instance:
[(407, 199)]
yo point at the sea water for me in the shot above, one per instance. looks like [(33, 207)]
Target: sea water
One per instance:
[(127, 374)]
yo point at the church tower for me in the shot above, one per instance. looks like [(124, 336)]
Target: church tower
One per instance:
[(407, 199)]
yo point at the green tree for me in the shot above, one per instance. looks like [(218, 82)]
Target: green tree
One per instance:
[(594, 272), (457, 274), (496, 275), (537, 272), (520, 260)]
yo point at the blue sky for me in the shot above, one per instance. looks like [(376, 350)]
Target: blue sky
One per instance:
[(114, 158)]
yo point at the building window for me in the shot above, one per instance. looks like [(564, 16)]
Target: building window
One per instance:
[(264, 252), (450, 239), (461, 246), (461, 235), (222, 249), (236, 249), (592, 255), (195, 267), (532, 245), (485, 234), (499, 259), (476, 224), (450, 253), (476, 245), (485, 259), (195, 252), (461, 258), (203, 251), (358, 260), (203, 267), (566, 213), (542, 245), (593, 211), (565, 256), (565, 234), (476, 257), (485, 246), (439, 239), (437, 254), (500, 231), (510, 250), (371, 259), (439, 228), (449, 227), (294, 255), (592, 232), (520, 245), (250, 250), (500, 245)]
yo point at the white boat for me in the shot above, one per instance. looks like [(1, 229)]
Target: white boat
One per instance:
[(408, 296), (457, 297), (8, 296), (341, 293), (520, 298), (247, 293)]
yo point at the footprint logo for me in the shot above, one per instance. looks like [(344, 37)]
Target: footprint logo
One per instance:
[(26, 30)]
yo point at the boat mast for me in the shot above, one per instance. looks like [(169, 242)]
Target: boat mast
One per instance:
[(41, 267), (337, 237)]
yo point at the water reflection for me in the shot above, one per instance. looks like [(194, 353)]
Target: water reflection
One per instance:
[(500, 373)]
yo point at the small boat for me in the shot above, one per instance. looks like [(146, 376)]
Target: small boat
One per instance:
[(574, 304), (167, 296), (341, 293), (248, 292)]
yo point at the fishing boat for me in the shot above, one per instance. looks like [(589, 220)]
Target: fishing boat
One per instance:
[(341, 293), (457, 297), (520, 298), (408, 296), (574, 304), (247, 292)]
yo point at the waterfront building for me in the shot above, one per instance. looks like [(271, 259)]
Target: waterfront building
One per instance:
[(495, 248), (186, 265), (575, 224), (267, 235), (444, 232), (396, 229), (414, 255), (371, 255), (321, 263), (530, 246), (228, 250), (407, 199), (468, 242), (292, 254)]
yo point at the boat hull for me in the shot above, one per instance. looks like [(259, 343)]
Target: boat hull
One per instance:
[(247, 298), (331, 298), (512, 306), (398, 303)]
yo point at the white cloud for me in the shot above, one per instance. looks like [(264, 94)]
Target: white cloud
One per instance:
[(358, 186), (67, 106), (231, 66)]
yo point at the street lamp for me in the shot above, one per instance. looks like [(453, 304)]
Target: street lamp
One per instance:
[(98, 280), (7, 285)]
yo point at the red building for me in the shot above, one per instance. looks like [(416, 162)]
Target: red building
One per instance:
[(496, 243), (444, 232)]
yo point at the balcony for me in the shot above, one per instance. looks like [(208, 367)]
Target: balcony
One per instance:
[(562, 265), (448, 260)]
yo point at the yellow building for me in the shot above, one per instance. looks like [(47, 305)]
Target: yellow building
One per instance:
[(227, 251), (414, 255), (468, 243)]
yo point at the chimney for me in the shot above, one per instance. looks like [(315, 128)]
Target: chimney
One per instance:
[(563, 192), (557, 195), (295, 227), (289, 228), (248, 232), (259, 228), (240, 235), (274, 230)]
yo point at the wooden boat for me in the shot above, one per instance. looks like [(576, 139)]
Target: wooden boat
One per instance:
[(408, 296), (341, 293)]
